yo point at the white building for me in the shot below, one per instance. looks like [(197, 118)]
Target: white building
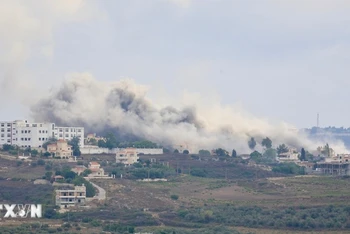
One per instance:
[(291, 156), (25, 134)]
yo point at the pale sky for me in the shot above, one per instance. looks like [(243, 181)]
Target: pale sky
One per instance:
[(280, 60)]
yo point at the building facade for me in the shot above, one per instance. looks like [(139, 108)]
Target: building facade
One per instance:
[(60, 149), (25, 134), (127, 156), (71, 197)]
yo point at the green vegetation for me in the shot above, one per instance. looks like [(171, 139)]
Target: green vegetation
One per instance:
[(90, 190), (74, 142), (267, 143), (174, 197), (221, 152), (111, 142), (312, 218), (252, 143), (282, 149), (289, 168), (204, 152), (234, 153)]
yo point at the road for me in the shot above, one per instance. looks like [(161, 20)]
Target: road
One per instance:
[(101, 192)]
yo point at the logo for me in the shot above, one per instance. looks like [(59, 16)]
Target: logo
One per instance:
[(21, 210)]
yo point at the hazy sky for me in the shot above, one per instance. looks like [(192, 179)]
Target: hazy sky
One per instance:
[(278, 59)]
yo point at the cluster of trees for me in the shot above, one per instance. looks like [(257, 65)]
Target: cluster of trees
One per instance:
[(266, 142), (72, 177), (289, 168), (110, 141), (327, 217)]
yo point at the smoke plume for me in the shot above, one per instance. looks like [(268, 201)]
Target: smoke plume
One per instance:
[(123, 107)]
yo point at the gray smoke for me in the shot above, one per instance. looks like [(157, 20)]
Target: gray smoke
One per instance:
[(123, 107)]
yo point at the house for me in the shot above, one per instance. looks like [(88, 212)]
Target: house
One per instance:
[(92, 136), (60, 149), (58, 178), (71, 197), (127, 156), (291, 156), (79, 169), (339, 158), (96, 170)]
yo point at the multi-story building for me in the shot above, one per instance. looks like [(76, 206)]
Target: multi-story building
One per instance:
[(25, 134), (127, 156), (68, 133), (71, 197), (60, 149)]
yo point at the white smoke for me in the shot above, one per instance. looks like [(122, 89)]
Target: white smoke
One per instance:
[(123, 106)]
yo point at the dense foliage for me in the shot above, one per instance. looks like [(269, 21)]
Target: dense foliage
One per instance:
[(329, 217)]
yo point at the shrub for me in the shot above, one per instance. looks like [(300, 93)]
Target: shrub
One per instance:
[(174, 197), (41, 162)]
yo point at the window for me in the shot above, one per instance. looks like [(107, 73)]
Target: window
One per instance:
[(2, 135), (67, 135), (39, 131), (8, 141), (2, 130), (25, 139), (67, 130), (8, 130), (61, 130), (25, 131), (35, 125), (8, 135), (8, 125), (28, 139), (27, 125), (2, 125), (41, 125), (21, 139), (46, 131), (22, 131), (61, 135), (79, 130), (28, 131)]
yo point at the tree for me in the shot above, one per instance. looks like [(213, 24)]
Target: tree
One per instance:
[(74, 142), (34, 153), (101, 144), (111, 141), (186, 151), (7, 147), (221, 152), (266, 142), (255, 154), (176, 151), (302, 155), (282, 149), (92, 141), (270, 153), (204, 152), (234, 153), (252, 143)]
